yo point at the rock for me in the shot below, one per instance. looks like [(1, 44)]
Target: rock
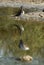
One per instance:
[(26, 58)]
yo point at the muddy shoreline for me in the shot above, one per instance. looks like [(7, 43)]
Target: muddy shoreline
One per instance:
[(18, 4), (38, 15)]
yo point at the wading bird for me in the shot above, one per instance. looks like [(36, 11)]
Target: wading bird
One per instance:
[(20, 11)]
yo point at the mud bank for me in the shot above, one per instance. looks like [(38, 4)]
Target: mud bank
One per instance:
[(18, 4)]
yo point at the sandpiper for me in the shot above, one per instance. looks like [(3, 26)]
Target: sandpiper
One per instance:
[(20, 12)]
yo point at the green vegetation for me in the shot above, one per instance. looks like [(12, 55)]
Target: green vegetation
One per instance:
[(33, 34)]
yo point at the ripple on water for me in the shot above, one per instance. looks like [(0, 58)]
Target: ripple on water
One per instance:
[(12, 61)]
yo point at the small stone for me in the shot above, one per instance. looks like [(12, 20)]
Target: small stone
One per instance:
[(26, 58)]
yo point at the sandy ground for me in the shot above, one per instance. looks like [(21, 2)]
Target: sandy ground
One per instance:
[(38, 16)]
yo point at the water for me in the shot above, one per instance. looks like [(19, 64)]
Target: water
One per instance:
[(8, 48), (12, 61)]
